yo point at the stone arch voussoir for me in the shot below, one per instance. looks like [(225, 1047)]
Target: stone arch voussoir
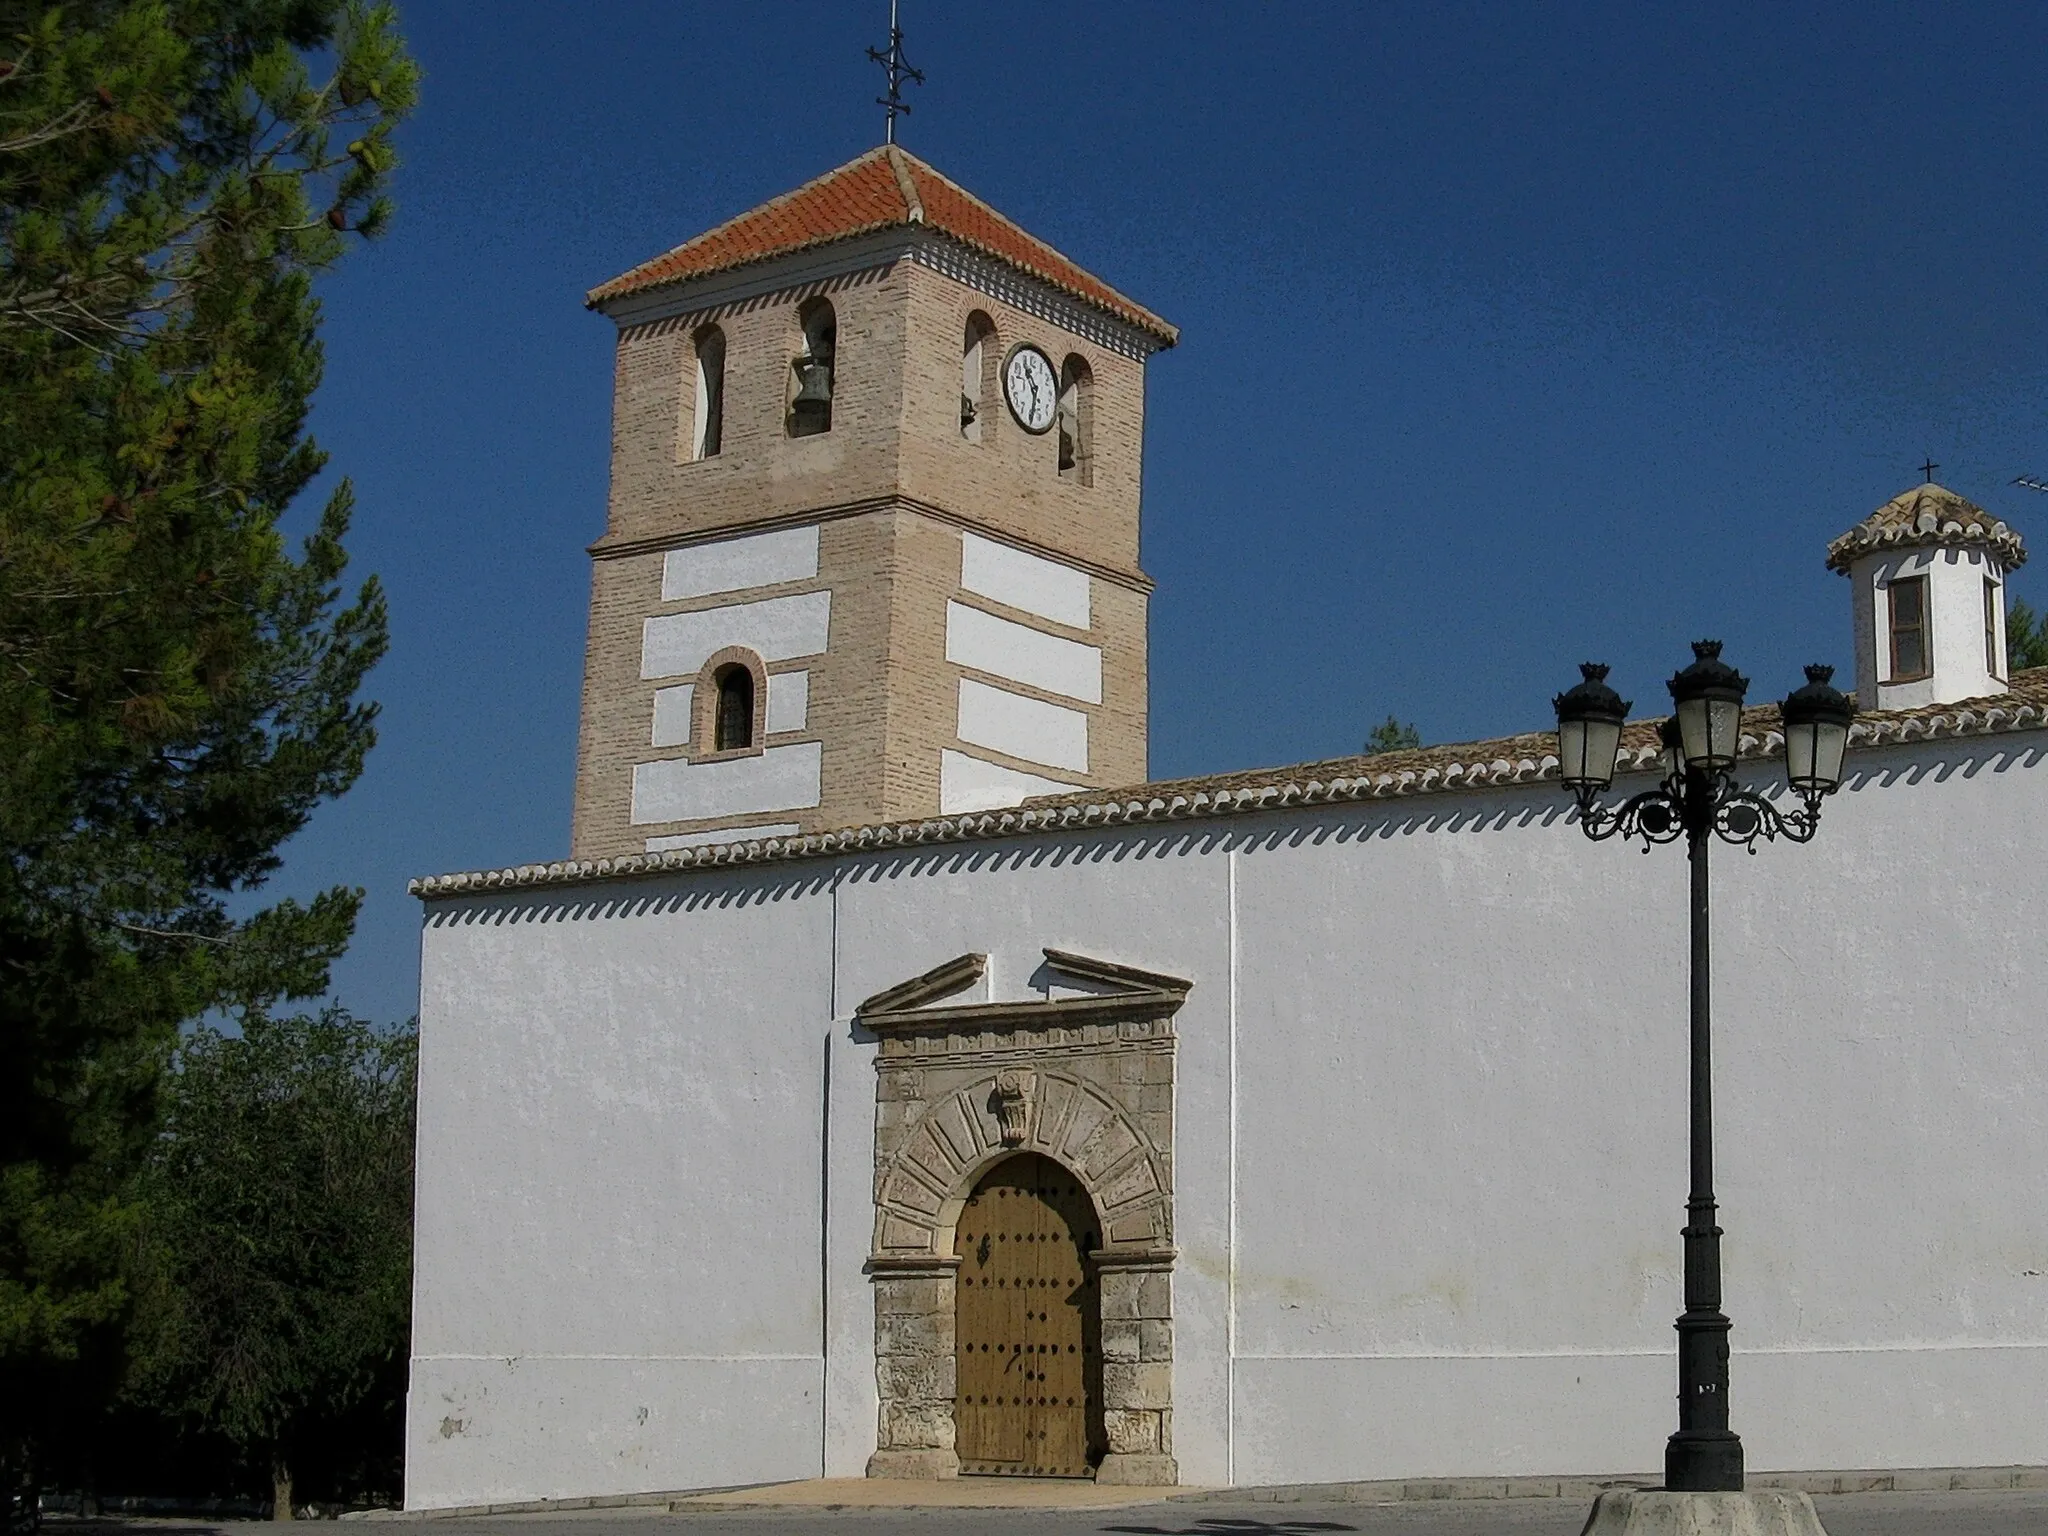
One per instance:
[(920, 1192)]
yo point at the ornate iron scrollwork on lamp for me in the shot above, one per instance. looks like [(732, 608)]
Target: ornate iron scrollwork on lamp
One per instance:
[(1700, 741)]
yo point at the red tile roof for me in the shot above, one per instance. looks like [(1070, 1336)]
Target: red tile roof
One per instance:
[(883, 189)]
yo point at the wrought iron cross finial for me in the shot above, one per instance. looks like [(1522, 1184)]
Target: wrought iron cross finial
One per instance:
[(897, 71), (1926, 469)]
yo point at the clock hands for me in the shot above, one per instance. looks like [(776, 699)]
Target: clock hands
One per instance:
[(1031, 388)]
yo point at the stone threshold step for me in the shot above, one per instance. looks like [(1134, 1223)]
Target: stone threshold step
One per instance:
[(930, 1493)]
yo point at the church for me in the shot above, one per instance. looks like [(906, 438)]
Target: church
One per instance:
[(894, 1081)]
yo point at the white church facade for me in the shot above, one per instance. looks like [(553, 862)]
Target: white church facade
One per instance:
[(894, 1083)]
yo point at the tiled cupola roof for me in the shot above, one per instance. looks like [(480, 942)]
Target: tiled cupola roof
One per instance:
[(883, 189), (1926, 514)]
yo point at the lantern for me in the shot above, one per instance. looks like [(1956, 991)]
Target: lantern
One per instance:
[(1816, 732), (1589, 720), (1708, 695)]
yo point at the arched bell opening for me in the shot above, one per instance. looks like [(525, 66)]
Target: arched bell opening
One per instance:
[(1028, 1324), (815, 369), (977, 374)]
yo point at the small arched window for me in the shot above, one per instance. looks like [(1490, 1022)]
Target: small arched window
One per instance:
[(977, 352), (1077, 422), (810, 412), (733, 726), (708, 433)]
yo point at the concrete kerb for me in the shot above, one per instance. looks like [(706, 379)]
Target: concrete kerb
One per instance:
[(1395, 1491), (1029, 1493), (543, 1506)]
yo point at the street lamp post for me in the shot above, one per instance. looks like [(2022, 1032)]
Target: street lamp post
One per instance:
[(1698, 800)]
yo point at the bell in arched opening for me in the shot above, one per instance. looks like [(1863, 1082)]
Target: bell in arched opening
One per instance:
[(811, 411)]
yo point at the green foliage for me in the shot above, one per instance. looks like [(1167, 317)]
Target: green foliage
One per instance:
[(276, 1235), (177, 686), (2026, 637), (1391, 735)]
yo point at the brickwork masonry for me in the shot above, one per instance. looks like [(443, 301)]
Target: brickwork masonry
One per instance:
[(890, 486)]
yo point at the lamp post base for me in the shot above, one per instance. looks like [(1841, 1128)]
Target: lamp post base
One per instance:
[(1703, 1461), (1660, 1512)]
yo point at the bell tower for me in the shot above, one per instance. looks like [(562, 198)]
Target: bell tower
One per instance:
[(871, 552)]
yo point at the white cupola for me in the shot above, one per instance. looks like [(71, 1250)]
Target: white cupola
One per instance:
[(1928, 569)]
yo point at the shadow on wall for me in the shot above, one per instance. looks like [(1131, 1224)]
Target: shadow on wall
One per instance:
[(1468, 814)]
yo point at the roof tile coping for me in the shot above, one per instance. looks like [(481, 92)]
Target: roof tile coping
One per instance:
[(882, 189), (1523, 759), (1927, 514)]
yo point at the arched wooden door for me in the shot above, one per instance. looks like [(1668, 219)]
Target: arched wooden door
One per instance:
[(1029, 1325)]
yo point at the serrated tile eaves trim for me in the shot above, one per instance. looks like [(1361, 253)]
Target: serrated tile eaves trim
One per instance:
[(1480, 765)]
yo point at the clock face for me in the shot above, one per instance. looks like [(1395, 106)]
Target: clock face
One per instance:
[(1031, 388)]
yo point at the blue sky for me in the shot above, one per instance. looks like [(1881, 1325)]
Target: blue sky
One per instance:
[(1513, 335)]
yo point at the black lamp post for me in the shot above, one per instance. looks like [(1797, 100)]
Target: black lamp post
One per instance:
[(1699, 796)]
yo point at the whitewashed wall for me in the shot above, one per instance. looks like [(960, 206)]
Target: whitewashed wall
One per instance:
[(1431, 1158)]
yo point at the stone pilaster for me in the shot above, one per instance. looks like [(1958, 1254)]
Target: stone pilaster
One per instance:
[(1137, 1367), (914, 1366)]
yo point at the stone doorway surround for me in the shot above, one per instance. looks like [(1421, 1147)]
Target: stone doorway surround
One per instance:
[(1084, 1080)]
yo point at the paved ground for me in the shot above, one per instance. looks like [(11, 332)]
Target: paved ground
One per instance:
[(2022, 1513)]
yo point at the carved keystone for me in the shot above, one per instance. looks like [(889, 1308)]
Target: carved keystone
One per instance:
[(1015, 1093)]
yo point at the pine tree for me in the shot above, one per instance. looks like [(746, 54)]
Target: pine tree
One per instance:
[(178, 688), (2026, 637), (1391, 735)]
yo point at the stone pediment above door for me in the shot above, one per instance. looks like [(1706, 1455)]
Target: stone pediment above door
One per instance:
[(1104, 990), (1085, 1079)]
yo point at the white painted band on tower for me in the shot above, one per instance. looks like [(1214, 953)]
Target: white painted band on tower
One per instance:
[(1030, 582), (1023, 727), (734, 565), (782, 778), (778, 628), (972, 784), (1022, 654)]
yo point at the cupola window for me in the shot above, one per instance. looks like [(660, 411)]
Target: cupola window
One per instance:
[(810, 412), (975, 353), (1991, 606), (1077, 422), (1911, 655), (733, 728), (709, 426)]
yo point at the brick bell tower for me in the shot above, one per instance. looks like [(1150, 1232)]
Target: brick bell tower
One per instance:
[(872, 545)]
